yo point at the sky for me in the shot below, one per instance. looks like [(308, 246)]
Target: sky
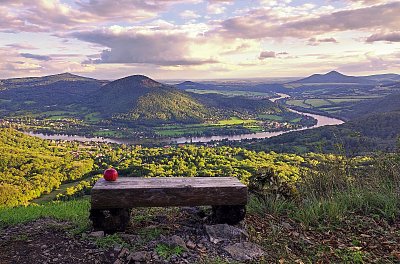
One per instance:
[(198, 39)]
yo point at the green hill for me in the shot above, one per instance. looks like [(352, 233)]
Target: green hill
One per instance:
[(138, 97), (388, 103)]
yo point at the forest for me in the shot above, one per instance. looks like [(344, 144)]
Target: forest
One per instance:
[(31, 167)]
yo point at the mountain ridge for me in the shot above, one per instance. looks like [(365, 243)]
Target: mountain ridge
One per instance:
[(333, 77)]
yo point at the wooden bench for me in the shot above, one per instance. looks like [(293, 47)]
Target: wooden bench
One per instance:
[(111, 201)]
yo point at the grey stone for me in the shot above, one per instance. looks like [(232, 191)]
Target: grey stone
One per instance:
[(225, 232), (139, 256), (287, 225), (97, 234), (244, 251), (176, 241), (129, 237), (190, 245), (123, 253)]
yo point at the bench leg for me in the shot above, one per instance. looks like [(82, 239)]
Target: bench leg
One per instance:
[(228, 214), (111, 220)]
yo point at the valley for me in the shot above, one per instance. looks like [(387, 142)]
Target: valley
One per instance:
[(310, 154), (139, 108), (144, 111)]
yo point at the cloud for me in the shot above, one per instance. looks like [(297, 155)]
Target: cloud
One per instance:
[(52, 15), (238, 49), (20, 46), (189, 14), (264, 23), (267, 54), (130, 45), (36, 57), (271, 54), (316, 42), (390, 37), (216, 7)]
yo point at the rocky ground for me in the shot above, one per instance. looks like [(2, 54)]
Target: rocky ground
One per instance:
[(173, 235), (186, 235)]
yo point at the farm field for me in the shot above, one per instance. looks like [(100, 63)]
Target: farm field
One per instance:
[(328, 104)]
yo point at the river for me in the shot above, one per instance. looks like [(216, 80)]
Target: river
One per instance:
[(321, 121)]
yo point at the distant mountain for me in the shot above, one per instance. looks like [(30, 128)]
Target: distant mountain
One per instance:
[(195, 85), (31, 82), (384, 78), (239, 86), (39, 93), (333, 77)]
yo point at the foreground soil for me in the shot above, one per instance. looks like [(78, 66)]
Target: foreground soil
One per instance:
[(356, 239)]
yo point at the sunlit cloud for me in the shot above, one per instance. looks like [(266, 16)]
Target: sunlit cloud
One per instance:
[(197, 38)]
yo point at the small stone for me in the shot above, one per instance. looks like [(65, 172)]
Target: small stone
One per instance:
[(190, 245), (97, 234), (118, 261), (55, 259), (43, 247), (177, 241), (129, 238), (117, 248), (244, 251), (123, 253), (287, 226), (140, 256), (225, 232)]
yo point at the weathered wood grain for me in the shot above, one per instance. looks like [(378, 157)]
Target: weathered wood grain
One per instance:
[(149, 192)]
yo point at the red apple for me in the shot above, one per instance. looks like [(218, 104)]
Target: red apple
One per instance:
[(110, 174)]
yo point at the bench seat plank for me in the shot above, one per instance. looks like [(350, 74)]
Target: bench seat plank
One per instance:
[(130, 192)]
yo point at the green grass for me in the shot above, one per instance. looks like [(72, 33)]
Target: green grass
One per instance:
[(317, 102), (235, 121), (295, 120), (343, 100), (76, 212), (110, 241), (166, 251), (299, 103), (198, 129), (181, 131), (93, 117), (148, 234), (332, 192)]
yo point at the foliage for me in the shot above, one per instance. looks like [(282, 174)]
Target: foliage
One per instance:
[(166, 251), (30, 167), (376, 132), (338, 187), (265, 182), (82, 188)]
